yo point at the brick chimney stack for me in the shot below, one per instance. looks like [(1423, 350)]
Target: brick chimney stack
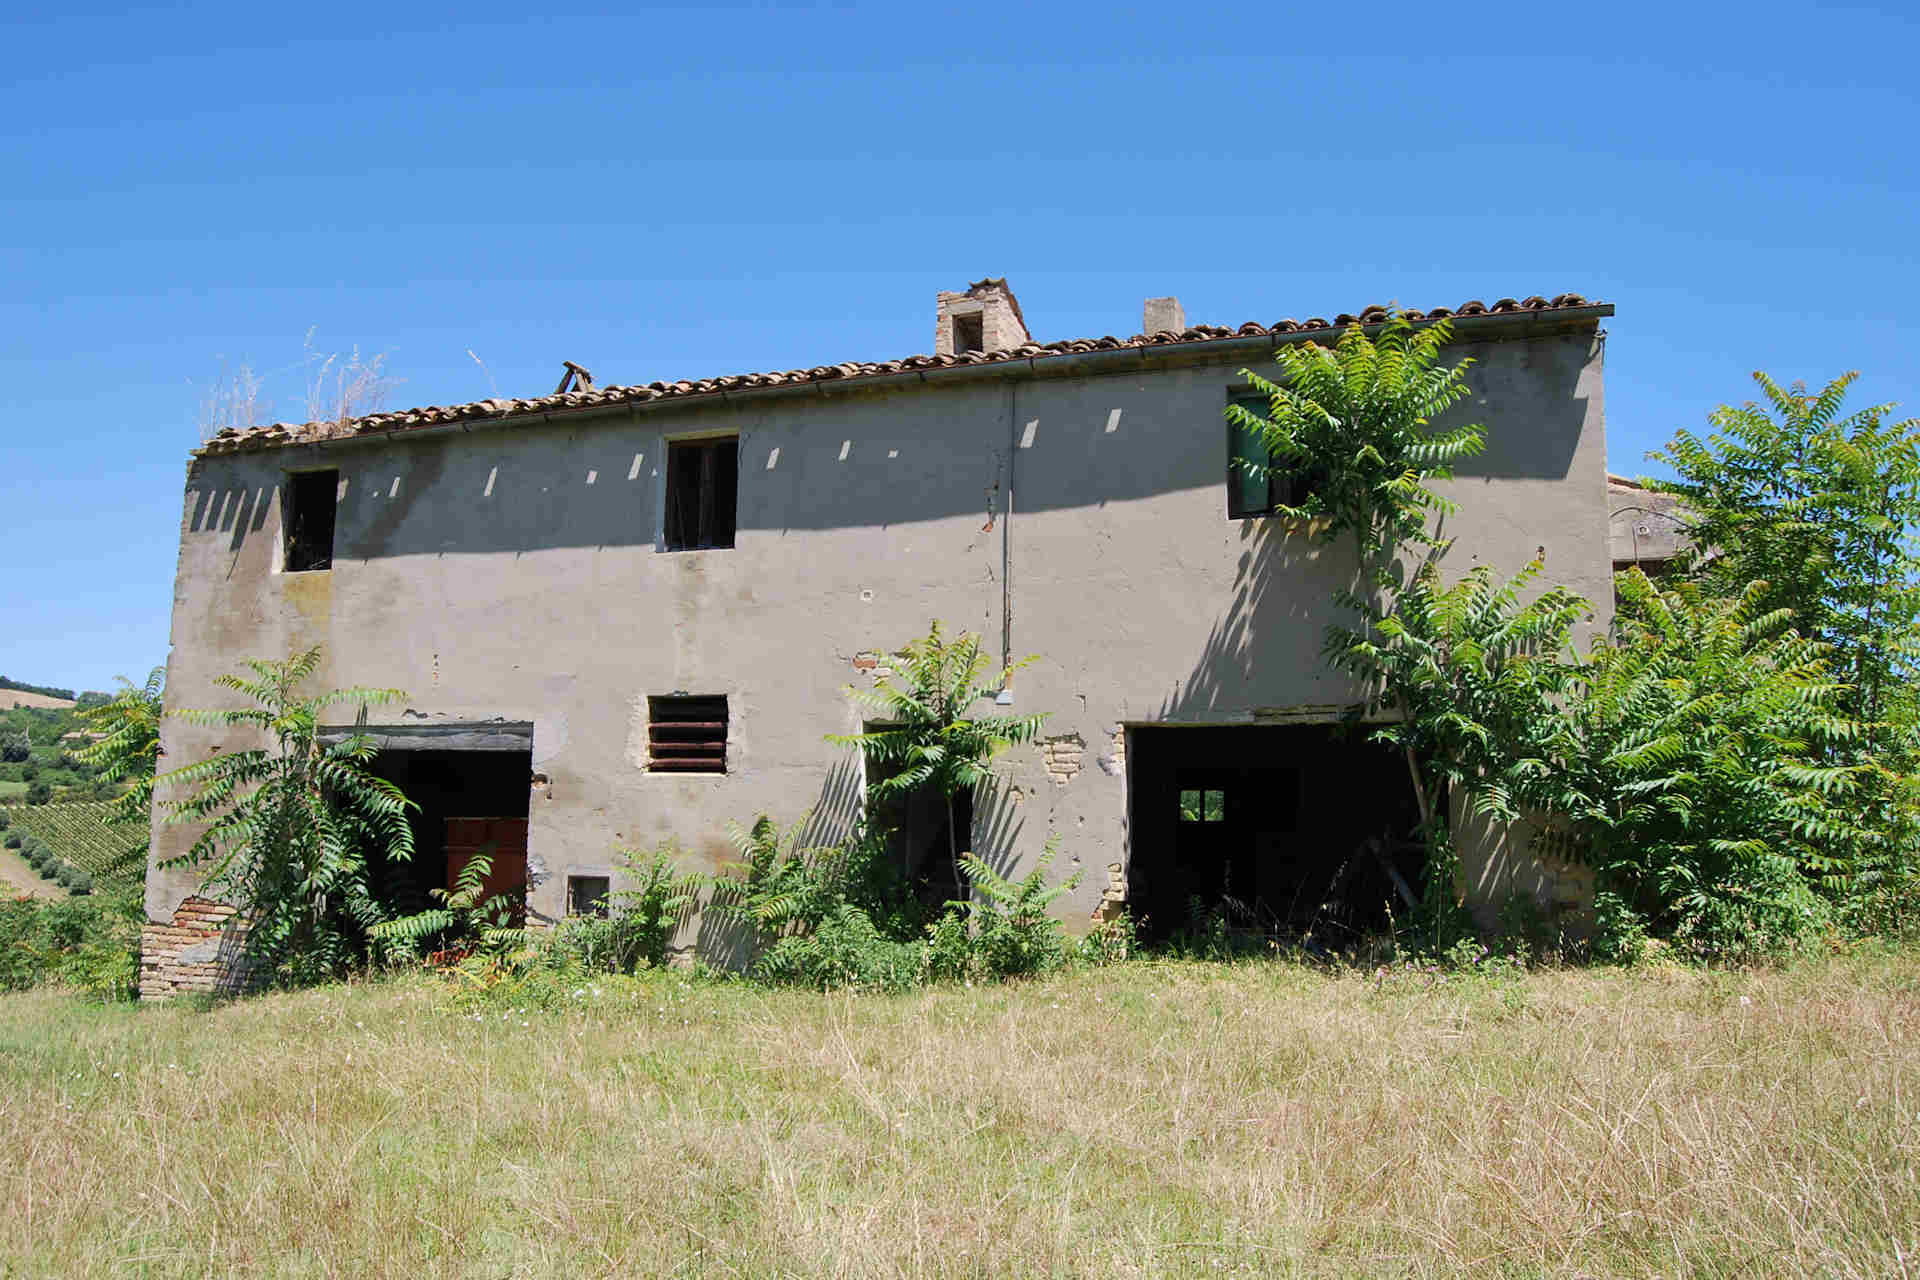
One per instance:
[(1163, 315), (984, 318)]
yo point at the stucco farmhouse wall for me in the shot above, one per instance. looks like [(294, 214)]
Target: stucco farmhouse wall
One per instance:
[(516, 572)]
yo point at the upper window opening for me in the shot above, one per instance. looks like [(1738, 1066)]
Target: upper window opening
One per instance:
[(703, 489), (970, 333), (1272, 480), (687, 734), (311, 499)]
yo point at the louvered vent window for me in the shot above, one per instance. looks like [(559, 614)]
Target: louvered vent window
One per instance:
[(687, 734)]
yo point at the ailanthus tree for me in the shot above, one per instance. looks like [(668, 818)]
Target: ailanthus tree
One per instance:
[(293, 827), (1360, 419), (1821, 506), (934, 739), (130, 751)]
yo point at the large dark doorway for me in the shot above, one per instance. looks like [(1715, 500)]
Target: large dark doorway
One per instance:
[(1278, 829), (471, 801)]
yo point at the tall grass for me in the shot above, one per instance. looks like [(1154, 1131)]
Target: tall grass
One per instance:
[(1154, 1119)]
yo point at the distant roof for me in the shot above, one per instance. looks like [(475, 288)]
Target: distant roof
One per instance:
[(231, 440)]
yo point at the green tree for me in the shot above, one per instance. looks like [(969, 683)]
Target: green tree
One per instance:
[(1821, 508), (1360, 420), (1692, 767), (1470, 676), (931, 738), (292, 827), (130, 751)]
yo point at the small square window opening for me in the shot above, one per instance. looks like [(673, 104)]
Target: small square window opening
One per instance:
[(1203, 806), (687, 734), (311, 497), (587, 895), (703, 491), (1259, 480)]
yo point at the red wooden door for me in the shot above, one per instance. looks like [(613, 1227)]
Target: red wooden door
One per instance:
[(504, 840)]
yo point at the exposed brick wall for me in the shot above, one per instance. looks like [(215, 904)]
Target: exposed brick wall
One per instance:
[(1113, 899), (1063, 756), (196, 951)]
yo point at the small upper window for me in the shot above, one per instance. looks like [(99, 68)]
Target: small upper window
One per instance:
[(310, 500), (703, 489), (687, 734), (1271, 480)]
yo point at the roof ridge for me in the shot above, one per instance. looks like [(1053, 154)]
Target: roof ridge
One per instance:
[(232, 440)]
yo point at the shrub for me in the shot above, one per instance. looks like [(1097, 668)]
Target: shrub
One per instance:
[(1007, 928), (82, 883), (14, 841), (844, 950), (4, 821), (646, 916), (89, 943)]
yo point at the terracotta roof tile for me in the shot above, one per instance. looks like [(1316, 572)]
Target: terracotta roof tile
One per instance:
[(279, 434)]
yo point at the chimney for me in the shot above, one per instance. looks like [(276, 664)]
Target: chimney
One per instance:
[(984, 318), (1163, 314)]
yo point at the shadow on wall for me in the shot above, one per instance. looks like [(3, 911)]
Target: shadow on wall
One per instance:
[(849, 462), (997, 822), (1265, 649), (729, 943)]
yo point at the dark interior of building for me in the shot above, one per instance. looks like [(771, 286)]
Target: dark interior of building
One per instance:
[(1287, 830), (470, 801)]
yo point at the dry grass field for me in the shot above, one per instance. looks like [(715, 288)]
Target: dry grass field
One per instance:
[(21, 698), (1155, 1119)]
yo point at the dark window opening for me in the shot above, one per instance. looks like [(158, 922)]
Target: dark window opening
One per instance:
[(587, 895), (1275, 831), (311, 499), (969, 333), (687, 734), (1259, 480), (703, 489)]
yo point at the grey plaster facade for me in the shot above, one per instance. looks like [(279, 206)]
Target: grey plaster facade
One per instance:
[(515, 571)]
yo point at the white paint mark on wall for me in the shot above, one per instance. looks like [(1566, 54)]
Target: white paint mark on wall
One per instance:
[(492, 475), (1026, 437), (394, 490), (1113, 421), (893, 453), (633, 472), (773, 458), (341, 496), (846, 446), (592, 476)]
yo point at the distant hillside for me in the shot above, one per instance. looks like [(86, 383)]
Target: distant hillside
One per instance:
[(51, 691), (10, 698)]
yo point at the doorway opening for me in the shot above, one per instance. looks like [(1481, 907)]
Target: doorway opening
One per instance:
[(471, 802), (1287, 831)]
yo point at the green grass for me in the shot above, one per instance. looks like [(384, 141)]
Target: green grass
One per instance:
[(12, 790), (1152, 1119)]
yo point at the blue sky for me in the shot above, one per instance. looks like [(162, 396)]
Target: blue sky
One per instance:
[(674, 192)]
